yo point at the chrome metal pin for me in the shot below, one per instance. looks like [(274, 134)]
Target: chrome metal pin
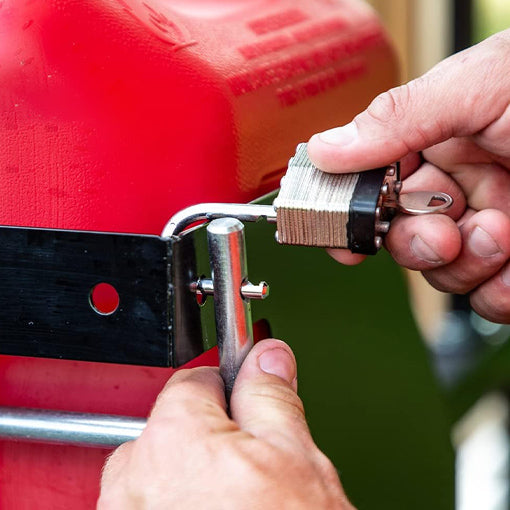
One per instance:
[(205, 287), (251, 291), (227, 257)]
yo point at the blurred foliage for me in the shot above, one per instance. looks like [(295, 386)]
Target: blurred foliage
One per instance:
[(489, 17)]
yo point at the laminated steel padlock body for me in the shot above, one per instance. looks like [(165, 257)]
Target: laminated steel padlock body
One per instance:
[(116, 114)]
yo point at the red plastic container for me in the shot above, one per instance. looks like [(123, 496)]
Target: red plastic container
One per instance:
[(114, 115)]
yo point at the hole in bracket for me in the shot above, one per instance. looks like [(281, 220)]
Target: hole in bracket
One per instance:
[(199, 291), (104, 298)]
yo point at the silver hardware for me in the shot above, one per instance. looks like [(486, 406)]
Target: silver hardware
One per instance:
[(423, 202), (252, 291), (378, 242), (227, 257), (202, 288), (205, 287), (382, 226), (63, 427), (210, 211)]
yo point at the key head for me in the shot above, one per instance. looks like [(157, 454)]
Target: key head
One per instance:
[(424, 202)]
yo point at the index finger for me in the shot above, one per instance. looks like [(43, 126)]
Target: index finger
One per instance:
[(192, 400)]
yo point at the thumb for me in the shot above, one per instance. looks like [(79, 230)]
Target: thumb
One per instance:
[(461, 96), (264, 401)]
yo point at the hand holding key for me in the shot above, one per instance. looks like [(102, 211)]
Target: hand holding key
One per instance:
[(458, 116)]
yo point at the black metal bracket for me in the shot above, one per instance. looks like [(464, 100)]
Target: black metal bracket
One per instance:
[(46, 280)]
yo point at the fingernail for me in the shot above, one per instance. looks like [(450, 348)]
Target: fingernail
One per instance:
[(505, 276), (343, 135), (424, 251), (278, 362), (482, 244)]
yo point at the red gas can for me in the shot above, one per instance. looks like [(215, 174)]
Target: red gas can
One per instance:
[(115, 114)]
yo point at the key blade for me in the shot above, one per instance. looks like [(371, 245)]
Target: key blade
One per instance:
[(424, 202)]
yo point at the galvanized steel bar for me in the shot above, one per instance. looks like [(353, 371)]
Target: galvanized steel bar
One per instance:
[(64, 427)]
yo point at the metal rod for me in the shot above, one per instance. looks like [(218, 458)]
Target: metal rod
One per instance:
[(244, 212), (227, 256), (248, 290), (64, 427)]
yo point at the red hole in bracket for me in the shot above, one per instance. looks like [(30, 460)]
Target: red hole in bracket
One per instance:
[(104, 298)]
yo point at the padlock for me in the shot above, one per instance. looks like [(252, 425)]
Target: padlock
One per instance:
[(351, 211)]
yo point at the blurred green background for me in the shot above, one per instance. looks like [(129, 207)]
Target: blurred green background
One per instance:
[(489, 16)]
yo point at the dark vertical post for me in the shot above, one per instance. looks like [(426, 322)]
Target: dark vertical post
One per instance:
[(463, 24)]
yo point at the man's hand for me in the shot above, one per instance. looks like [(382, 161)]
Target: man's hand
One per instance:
[(192, 455), (458, 116)]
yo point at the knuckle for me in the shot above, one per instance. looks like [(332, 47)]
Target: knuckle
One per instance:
[(326, 467), (500, 42), (188, 414), (490, 58), (394, 109), (192, 376), (459, 286), (443, 282), (187, 394), (493, 306), (391, 105), (281, 395), (181, 407)]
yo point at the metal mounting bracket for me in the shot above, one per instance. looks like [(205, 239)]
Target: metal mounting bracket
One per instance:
[(47, 277)]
